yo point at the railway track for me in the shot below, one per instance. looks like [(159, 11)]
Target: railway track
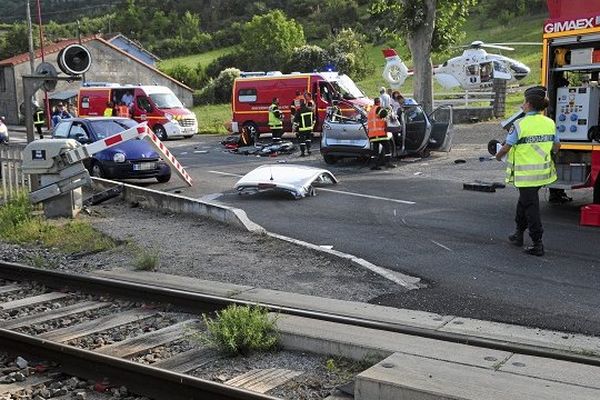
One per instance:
[(98, 327)]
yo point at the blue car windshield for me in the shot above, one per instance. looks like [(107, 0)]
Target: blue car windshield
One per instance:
[(109, 127)]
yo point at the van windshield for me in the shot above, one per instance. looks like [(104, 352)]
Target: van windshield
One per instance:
[(166, 100), (347, 88)]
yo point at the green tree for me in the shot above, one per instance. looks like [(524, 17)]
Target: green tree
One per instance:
[(130, 21), (339, 14), (270, 39), (428, 25), (190, 25), (348, 54), (16, 41)]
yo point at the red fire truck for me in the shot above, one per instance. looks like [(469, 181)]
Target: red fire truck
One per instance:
[(571, 70), (254, 92), (157, 105)]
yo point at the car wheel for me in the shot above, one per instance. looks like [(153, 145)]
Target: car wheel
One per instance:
[(187, 136), (97, 170), (164, 178), (252, 130), (161, 132), (329, 159)]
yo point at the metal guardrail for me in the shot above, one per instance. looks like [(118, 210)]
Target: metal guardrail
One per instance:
[(11, 171)]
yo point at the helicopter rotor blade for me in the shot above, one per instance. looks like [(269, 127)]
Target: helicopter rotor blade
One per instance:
[(494, 46), (518, 44)]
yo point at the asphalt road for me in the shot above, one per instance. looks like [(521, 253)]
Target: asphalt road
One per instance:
[(455, 240)]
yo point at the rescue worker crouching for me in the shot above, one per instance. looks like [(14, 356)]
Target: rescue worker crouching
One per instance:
[(276, 120), (377, 132), (305, 123), (529, 165)]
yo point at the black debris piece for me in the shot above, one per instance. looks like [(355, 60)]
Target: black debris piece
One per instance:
[(103, 196), (479, 187)]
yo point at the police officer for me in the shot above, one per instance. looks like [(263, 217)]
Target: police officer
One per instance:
[(275, 120), (305, 122), (529, 165), (377, 132), (39, 120)]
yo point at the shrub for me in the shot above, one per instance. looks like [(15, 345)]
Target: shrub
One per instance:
[(224, 84), (235, 59), (307, 58), (147, 260), (19, 225), (14, 213), (228, 36), (217, 90), (193, 77), (240, 330)]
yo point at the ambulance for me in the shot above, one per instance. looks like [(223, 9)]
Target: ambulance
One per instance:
[(156, 105), (253, 93)]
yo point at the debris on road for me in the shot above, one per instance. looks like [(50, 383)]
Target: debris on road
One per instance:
[(479, 187)]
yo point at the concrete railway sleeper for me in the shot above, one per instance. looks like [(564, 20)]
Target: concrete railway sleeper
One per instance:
[(140, 338)]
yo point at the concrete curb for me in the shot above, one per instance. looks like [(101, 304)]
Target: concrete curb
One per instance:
[(157, 200)]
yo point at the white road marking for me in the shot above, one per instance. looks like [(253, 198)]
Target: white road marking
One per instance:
[(368, 196), (326, 246), (226, 174), (441, 245)]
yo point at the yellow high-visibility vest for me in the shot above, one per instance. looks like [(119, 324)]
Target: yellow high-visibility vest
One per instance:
[(529, 162)]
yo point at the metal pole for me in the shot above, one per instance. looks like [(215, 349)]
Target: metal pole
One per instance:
[(29, 89), (39, 20), (79, 40), (30, 34)]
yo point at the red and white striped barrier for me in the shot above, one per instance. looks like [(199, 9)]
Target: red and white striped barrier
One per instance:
[(141, 131), (167, 155)]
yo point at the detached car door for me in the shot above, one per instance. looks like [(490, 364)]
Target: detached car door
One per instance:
[(442, 130)]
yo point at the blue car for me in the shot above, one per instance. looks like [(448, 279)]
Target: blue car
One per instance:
[(134, 159)]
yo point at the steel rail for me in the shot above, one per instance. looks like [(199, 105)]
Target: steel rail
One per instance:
[(194, 302), (139, 378)]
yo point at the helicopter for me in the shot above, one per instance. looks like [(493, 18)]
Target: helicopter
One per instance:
[(475, 69)]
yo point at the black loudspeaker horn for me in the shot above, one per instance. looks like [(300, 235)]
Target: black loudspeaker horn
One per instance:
[(48, 70), (74, 60)]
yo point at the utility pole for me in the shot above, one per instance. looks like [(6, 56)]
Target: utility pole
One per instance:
[(30, 37), (46, 102)]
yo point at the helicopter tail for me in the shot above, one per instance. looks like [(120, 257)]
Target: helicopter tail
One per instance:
[(395, 71)]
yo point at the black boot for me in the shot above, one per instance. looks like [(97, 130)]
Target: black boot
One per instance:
[(537, 249), (308, 147), (516, 238)]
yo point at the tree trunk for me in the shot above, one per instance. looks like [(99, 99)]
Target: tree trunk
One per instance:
[(419, 43)]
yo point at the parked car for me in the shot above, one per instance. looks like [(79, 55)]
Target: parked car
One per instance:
[(134, 159), (344, 137)]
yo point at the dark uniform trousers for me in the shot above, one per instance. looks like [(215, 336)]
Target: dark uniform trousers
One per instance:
[(304, 138), (528, 212), (381, 156), (276, 133)]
